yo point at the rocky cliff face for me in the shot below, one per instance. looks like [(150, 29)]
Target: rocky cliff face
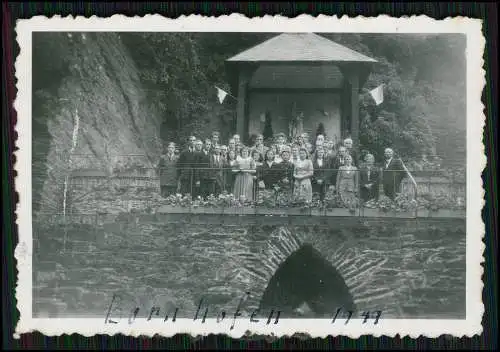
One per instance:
[(90, 115)]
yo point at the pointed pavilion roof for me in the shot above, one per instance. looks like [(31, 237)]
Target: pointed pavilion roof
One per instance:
[(305, 47)]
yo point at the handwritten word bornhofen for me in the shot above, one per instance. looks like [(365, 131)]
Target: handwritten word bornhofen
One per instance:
[(115, 313)]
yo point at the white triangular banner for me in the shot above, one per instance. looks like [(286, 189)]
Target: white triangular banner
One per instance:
[(221, 94), (378, 94)]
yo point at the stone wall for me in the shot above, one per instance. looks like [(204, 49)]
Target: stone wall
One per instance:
[(414, 269)]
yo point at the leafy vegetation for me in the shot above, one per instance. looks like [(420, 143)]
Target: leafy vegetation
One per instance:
[(424, 78)]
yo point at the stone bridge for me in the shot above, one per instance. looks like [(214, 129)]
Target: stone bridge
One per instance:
[(297, 268)]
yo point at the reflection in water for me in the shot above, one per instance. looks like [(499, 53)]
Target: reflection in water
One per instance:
[(420, 274)]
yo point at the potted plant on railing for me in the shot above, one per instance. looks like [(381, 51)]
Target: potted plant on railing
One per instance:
[(316, 208), (282, 202), (224, 201), (298, 207), (212, 205), (266, 202), (176, 203), (384, 205), (197, 206), (405, 205), (227, 203), (334, 206)]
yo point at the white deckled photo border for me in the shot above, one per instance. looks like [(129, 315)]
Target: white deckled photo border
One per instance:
[(476, 161)]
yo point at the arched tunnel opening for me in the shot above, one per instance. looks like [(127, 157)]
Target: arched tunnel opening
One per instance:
[(307, 285)]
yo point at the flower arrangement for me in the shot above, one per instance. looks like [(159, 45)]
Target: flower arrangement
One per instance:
[(178, 200), (143, 197), (332, 200)]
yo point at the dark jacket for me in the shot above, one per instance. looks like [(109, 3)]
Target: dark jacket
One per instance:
[(285, 170), (367, 176), (269, 175), (201, 166), (168, 170), (322, 172), (217, 172), (185, 164), (392, 175)]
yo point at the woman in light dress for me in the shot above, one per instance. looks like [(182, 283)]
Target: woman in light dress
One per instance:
[(303, 172), (244, 170), (347, 182)]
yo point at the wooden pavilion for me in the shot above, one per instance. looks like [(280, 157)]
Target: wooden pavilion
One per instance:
[(299, 74)]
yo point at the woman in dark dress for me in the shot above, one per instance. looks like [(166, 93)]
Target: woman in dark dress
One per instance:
[(268, 171), (320, 177), (285, 177)]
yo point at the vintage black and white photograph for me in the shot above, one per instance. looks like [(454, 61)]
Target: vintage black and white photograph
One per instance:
[(252, 177)]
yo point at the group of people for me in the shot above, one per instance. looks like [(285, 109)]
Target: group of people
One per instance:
[(297, 169)]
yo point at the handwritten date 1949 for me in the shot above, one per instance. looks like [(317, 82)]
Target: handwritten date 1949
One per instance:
[(366, 315)]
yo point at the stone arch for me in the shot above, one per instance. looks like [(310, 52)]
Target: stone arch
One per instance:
[(306, 284), (259, 267), (344, 268)]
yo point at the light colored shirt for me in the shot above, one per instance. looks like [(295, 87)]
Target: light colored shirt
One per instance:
[(387, 163)]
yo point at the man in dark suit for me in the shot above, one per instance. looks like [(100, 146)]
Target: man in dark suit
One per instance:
[(168, 171), (349, 146), (207, 147), (335, 163), (214, 182), (369, 179), (321, 174), (215, 138), (200, 172), (185, 169), (392, 173)]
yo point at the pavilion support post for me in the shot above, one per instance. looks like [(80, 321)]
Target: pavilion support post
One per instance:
[(244, 76), (345, 125), (354, 85)]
